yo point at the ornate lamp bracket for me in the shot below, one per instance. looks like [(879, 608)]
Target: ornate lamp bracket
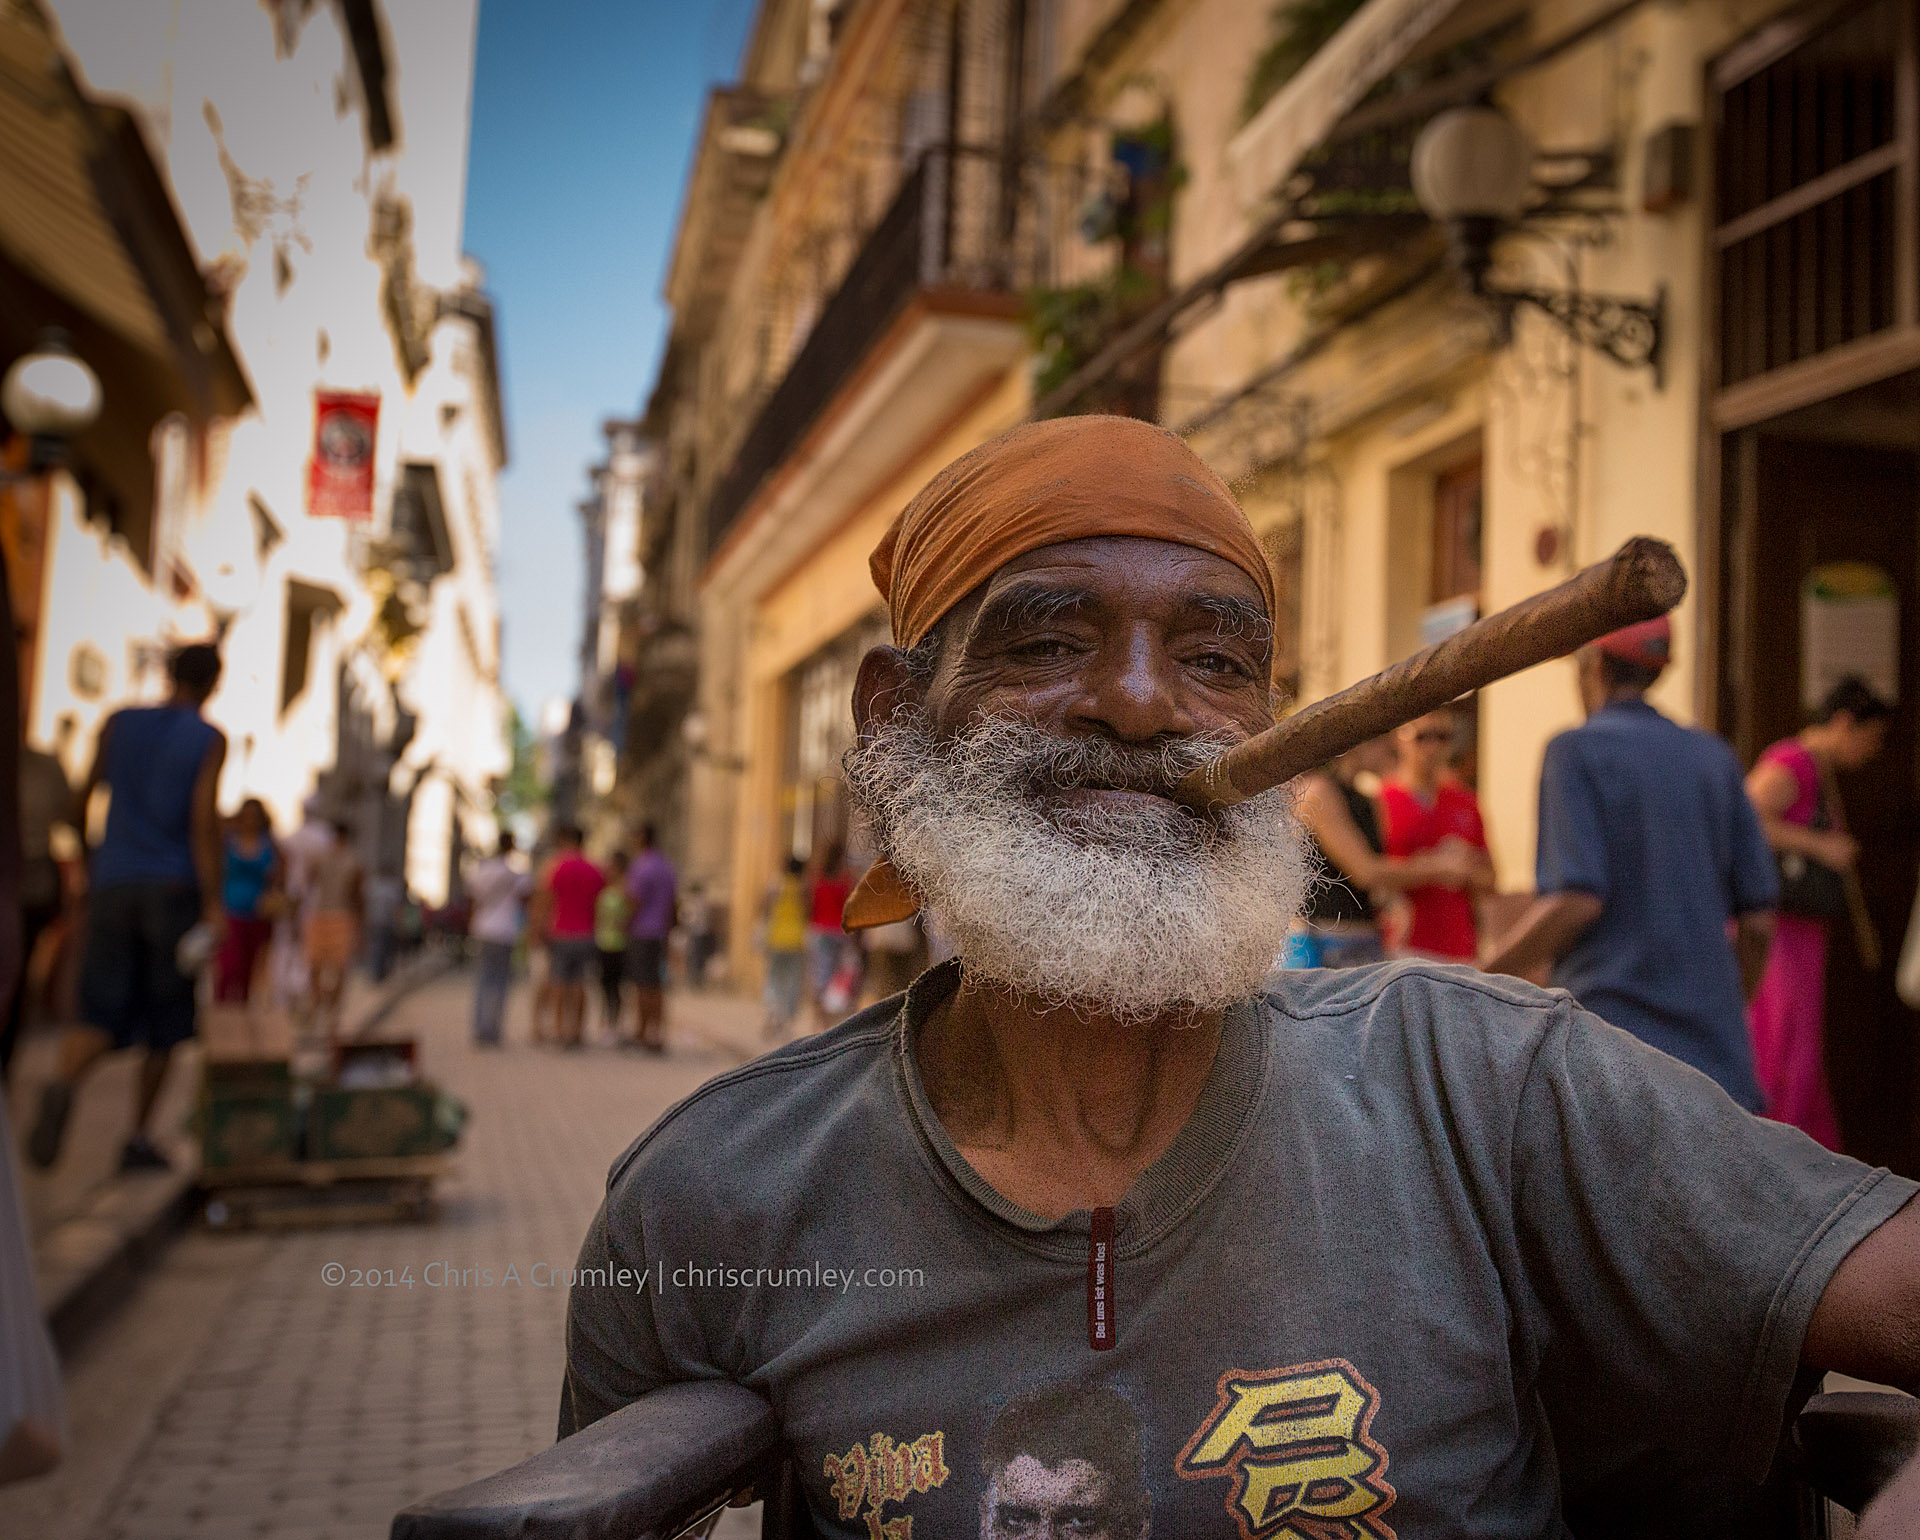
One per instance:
[(1630, 332)]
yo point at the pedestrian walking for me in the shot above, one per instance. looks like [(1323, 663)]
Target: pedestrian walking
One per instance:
[(46, 802), (611, 912), (249, 887), (572, 883), (155, 876), (330, 932), (386, 899), (653, 888), (833, 960), (1425, 807), (786, 946), (499, 889), (1340, 924), (299, 851), (1792, 788), (1649, 854), (697, 920)]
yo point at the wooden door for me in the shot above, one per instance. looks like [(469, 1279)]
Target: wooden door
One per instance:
[(1807, 504)]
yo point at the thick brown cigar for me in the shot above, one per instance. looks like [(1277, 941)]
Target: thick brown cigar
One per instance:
[(1639, 581)]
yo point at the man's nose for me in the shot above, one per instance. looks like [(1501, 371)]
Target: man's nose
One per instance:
[(1134, 691)]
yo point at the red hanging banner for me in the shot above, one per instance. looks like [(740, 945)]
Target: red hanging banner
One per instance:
[(340, 473)]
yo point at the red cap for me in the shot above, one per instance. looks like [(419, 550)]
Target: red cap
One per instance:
[(1649, 644)]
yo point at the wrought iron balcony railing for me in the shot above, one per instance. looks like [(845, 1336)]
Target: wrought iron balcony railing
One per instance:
[(965, 218)]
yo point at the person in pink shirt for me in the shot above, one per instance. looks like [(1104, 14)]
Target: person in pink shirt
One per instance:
[(572, 885), (1791, 787)]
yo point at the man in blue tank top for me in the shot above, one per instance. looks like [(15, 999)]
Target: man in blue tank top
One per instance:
[(154, 876)]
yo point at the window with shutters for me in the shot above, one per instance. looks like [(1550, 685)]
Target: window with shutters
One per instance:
[(1815, 162)]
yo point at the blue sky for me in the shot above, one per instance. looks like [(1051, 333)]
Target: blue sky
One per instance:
[(584, 113)]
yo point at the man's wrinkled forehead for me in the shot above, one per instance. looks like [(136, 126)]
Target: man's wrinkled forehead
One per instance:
[(1115, 576)]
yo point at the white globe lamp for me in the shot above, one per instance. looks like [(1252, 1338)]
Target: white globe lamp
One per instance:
[(1472, 169), (50, 393)]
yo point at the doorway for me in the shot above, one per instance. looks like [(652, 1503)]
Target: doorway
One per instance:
[(1834, 488)]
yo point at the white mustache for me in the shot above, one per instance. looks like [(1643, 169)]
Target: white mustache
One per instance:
[(1131, 908)]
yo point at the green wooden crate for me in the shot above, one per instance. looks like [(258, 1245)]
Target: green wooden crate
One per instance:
[(246, 1114), (366, 1124)]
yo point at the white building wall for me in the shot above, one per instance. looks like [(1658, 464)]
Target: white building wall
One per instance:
[(277, 187)]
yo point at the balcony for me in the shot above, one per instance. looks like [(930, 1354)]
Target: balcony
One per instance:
[(965, 236)]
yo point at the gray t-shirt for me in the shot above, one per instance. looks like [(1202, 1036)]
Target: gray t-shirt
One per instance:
[(1432, 1246)]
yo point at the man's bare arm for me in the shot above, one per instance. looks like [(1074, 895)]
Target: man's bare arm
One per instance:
[(96, 773), (1867, 1324), (1552, 923), (207, 860), (1752, 940), (1324, 811)]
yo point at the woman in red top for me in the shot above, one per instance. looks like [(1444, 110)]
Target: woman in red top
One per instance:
[(1423, 806)]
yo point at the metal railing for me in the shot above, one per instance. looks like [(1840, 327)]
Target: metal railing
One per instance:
[(965, 217)]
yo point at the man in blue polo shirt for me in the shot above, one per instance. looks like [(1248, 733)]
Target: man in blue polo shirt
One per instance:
[(1648, 848)]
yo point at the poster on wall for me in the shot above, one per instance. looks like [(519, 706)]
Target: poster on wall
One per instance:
[(1849, 624), (340, 473)]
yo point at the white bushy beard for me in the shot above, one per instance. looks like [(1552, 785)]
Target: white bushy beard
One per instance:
[(1130, 911)]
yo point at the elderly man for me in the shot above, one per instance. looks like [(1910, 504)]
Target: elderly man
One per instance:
[(1401, 1250)]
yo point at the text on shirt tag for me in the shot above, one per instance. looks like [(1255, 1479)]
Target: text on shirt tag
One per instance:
[(1100, 1280)]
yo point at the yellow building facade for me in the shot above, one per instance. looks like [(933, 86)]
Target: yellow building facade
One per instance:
[(1251, 268)]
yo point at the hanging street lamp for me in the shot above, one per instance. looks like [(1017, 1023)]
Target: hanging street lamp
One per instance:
[(1472, 171), (50, 395)]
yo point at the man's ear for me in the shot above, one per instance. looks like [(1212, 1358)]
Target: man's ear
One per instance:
[(883, 685)]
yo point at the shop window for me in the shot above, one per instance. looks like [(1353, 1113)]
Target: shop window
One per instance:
[(819, 732)]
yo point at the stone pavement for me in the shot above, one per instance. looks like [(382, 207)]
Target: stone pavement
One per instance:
[(240, 1393)]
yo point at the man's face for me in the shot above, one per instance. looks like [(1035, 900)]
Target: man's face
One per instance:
[(1024, 788), (1074, 1500), (1139, 641), (1426, 745)]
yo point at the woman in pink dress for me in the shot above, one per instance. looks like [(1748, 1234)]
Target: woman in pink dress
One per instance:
[(1788, 1013)]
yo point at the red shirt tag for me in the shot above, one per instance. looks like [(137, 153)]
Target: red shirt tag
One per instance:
[(1100, 1280)]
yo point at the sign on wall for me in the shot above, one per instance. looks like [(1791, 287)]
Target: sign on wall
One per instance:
[(340, 473), (1849, 624)]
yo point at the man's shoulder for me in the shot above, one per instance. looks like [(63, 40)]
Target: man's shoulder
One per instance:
[(1448, 1012), (768, 1106), (1633, 734)]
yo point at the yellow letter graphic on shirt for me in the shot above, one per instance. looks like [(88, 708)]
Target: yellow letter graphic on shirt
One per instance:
[(883, 1471), (1295, 1442)]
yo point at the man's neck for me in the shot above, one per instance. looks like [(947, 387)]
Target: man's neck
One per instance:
[(185, 702), (1056, 1111)]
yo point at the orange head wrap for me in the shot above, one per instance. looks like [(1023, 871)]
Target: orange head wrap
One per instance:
[(1043, 483)]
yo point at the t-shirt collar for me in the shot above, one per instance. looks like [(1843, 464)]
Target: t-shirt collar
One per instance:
[(1629, 703), (1167, 1190)]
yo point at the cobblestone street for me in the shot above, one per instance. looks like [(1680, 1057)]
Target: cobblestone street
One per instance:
[(239, 1394)]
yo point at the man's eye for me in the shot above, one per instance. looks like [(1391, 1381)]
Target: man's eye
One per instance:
[(1042, 647), (1220, 663)]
